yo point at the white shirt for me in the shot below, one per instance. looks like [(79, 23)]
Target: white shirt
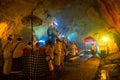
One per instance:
[(18, 50)]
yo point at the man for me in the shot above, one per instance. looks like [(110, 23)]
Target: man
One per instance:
[(93, 49), (52, 33), (1, 59), (63, 53), (7, 56), (17, 53), (28, 49), (57, 54), (73, 49), (49, 50)]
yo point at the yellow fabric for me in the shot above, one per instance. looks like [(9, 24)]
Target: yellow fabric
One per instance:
[(73, 49), (63, 52), (7, 55), (7, 49), (51, 67), (7, 66), (57, 49), (49, 50), (93, 47)]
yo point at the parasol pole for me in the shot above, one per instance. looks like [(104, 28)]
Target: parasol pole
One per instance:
[(32, 29), (32, 25)]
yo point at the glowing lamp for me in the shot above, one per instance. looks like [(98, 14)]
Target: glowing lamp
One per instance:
[(105, 39)]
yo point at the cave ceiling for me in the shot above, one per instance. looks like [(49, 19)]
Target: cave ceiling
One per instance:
[(78, 18)]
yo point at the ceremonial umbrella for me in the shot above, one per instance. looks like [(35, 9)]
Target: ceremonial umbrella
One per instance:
[(32, 20)]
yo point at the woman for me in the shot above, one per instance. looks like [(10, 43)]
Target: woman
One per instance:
[(49, 50), (17, 53)]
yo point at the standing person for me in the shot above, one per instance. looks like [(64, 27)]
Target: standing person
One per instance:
[(52, 33), (17, 53), (73, 49), (57, 54), (49, 50), (29, 45), (28, 49), (26, 60), (36, 49), (63, 53), (1, 59), (7, 56), (93, 49)]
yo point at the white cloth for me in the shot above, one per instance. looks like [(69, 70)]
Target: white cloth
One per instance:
[(18, 51), (7, 46), (49, 56), (7, 66), (7, 55)]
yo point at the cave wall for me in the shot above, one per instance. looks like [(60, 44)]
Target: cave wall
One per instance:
[(12, 12), (91, 17), (110, 11)]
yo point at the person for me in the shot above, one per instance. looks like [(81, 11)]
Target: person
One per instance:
[(93, 48), (37, 49), (63, 53), (7, 57), (27, 60), (29, 45), (28, 49), (1, 58), (57, 54), (49, 50), (73, 49), (17, 53), (52, 33)]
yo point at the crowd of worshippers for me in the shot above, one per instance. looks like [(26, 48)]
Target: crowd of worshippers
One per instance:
[(13, 51)]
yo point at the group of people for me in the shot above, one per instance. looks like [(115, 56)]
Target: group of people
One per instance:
[(55, 54), (11, 52), (14, 48)]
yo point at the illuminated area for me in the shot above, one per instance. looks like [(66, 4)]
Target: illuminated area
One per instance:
[(105, 39), (72, 36), (40, 31)]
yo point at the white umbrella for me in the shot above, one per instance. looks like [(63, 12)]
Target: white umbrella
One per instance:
[(32, 20)]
